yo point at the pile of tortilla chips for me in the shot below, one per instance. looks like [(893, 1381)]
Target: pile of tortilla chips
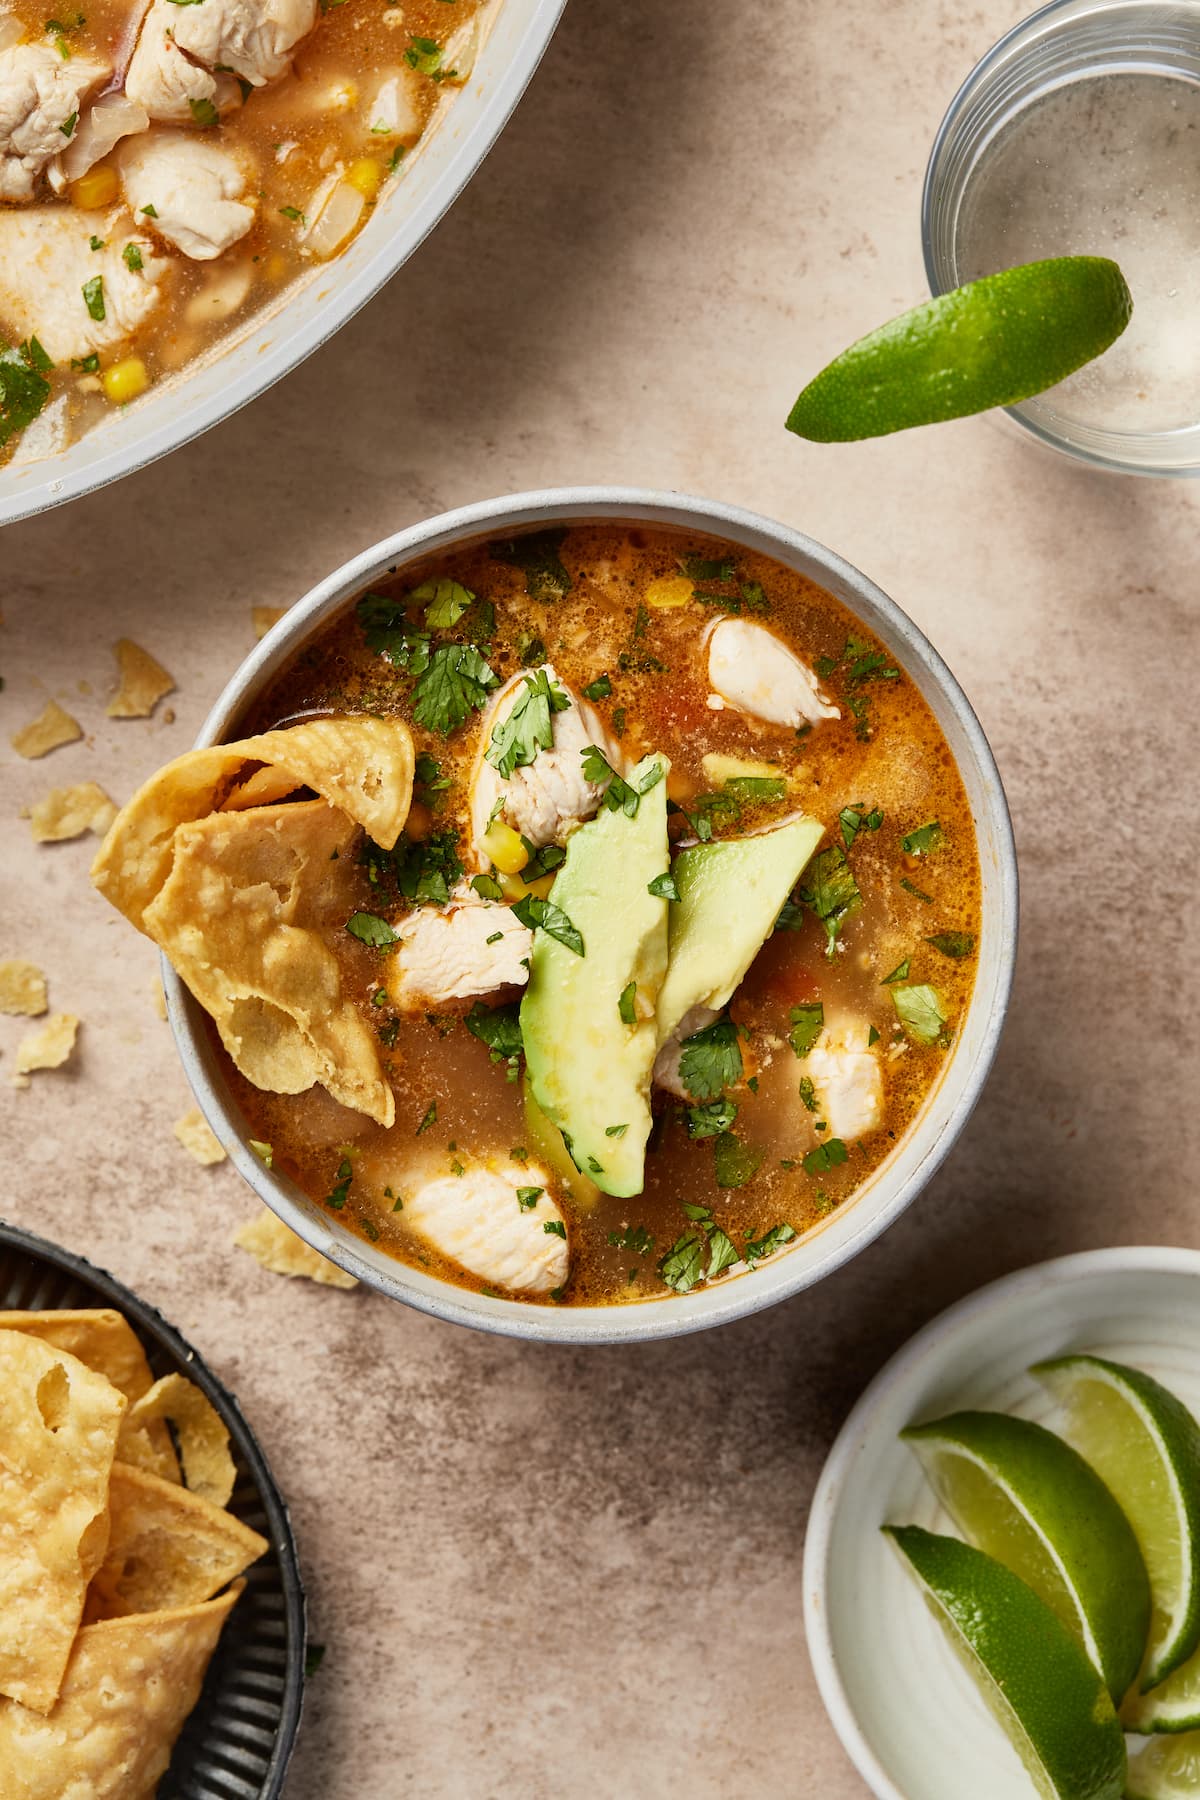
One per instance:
[(233, 880), (117, 1568)]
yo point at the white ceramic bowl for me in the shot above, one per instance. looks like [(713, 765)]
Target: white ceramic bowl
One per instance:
[(918, 1154), (900, 1700), (312, 310)]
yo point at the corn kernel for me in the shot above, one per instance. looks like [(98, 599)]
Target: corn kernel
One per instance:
[(540, 888), (99, 187), (277, 267), (365, 175), (669, 590), (515, 887), (125, 380), (503, 845)]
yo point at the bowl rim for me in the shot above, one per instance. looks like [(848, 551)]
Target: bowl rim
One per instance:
[(147, 1320), (931, 1346), (42, 484), (845, 1233)]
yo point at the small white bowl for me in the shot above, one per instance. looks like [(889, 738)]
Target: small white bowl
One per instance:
[(904, 1707)]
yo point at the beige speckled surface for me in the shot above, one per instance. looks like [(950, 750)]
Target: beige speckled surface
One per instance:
[(544, 1573)]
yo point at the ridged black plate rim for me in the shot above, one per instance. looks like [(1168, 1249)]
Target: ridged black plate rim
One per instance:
[(221, 1753)]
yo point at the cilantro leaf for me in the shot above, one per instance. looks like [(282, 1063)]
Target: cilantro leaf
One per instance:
[(24, 389), (663, 887), (711, 1119), (369, 928), (445, 602), (708, 568), (754, 1249), (721, 1253), (953, 943), (429, 1119), (854, 819), (537, 554), (734, 1163), (808, 1094), (425, 55), (632, 1237), (826, 1156), (600, 689), (830, 891), (528, 1197), (456, 680), (759, 788), (527, 726), (423, 869), (336, 1197), (499, 1027), (711, 1060), (899, 973), (921, 1012), (808, 1022), (554, 1228), (619, 796), (544, 915), (530, 650), (387, 631), (923, 840), (683, 1265), (626, 1007)]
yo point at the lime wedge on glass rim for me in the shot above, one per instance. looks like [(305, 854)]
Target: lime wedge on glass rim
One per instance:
[(1167, 1769), (994, 342), (1026, 1498), (1145, 1446), (1032, 1673)]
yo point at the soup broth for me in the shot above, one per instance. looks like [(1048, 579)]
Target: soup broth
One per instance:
[(865, 979)]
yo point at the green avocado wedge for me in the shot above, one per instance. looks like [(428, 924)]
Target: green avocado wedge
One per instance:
[(588, 1020), (994, 342)]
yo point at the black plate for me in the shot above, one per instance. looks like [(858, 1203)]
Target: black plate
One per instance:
[(237, 1742)]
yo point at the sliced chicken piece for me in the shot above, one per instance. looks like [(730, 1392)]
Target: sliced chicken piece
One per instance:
[(252, 38), (113, 117), (169, 85), (495, 1225), (754, 672), (666, 1063), (40, 100), (846, 1075), (46, 260), (550, 797), (448, 953), (194, 186)]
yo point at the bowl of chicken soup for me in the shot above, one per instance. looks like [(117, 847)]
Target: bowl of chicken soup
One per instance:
[(587, 916), (194, 197)]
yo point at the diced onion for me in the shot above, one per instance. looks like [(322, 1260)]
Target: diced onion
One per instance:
[(221, 296), (336, 222), (458, 58), (105, 124)]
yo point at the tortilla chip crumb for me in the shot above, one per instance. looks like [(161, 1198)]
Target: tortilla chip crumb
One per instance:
[(198, 1139), (69, 812), (22, 988), (47, 1047), (51, 728), (276, 1247), (160, 1001), (265, 617), (143, 682)]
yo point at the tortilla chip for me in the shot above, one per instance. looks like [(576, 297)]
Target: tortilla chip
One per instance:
[(48, 1046), (203, 1440), (107, 1343), (22, 988), (198, 1138), (363, 766), (59, 1423), (238, 918), (166, 1547), (276, 1247), (130, 1686), (51, 728), (264, 618), (142, 682), (69, 812)]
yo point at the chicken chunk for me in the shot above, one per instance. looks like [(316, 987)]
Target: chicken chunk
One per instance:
[(166, 83), (848, 1083), (666, 1063), (40, 100), (195, 188), (496, 1225), (448, 953), (46, 261), (550, 797), (752, 670), (188, 56)]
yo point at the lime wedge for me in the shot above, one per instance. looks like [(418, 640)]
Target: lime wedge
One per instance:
[(1031, 1672), (1166, 1770), (991, 343), (1020, 1493), (1145, 1446)]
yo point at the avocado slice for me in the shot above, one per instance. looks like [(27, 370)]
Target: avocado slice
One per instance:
[(545, 1140), (587, 1069), (730, 894)]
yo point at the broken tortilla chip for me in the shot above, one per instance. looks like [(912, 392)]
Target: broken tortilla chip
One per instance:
[(69, 812), (47, 1046), (198, 1138), (276, 1247), (265, 618), (141, 682), (47, 732), (129, 1687), (203, 1440), (166, 1547), (59, 1423), (362, 766), (22, 988)]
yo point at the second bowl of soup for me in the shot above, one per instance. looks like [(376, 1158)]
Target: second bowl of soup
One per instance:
[(599, 916)]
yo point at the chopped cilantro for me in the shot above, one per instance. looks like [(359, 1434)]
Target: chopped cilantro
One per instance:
[(899, 973), (445, 602), (429, 1119), (826, 1156), (554, 1228), (921, 1012), (456, 680), (854, 819), (528, 1197), (531, 650), (923, 840), (95, 243), (956, 944), (422, 869), (807, 1024), (625, 1005), (543, 860), (663, 887), (618, 721), (711, 1119), (487, 887), (204, 112), (369, 928), (615, 1131), (544, 915), (756, 787), (495, 938), (424, 55), (294, 214), (336, 1197), (711, 1060), (24, 389), (754, 1249), (872, 1036), (528, 726), (808, 1094), (88, 365), (632, 1237), (499, 1027), (150, 212), (683, 1265), (131, 256), (69, 123), (708, 568), (917, 893), (429, 780), (619, 796), (734, 1163), (830, 891), (537, 554), (93, 298), (600, 689)]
